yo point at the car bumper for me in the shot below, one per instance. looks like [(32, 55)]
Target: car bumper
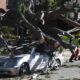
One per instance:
[(9, 71)]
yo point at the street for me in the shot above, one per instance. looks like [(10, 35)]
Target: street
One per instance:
[(69, 71)]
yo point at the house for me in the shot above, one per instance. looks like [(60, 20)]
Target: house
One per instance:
[(5, 5)]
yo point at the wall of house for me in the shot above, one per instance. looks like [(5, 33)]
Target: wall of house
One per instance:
[(3, 4)]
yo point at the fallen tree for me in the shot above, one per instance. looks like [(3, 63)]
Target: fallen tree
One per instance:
[(50, 33)]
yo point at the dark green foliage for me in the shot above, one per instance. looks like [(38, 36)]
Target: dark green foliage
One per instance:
[(52, 3)]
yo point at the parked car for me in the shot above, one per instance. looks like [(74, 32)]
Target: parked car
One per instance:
[(59, 57), (67, 54), (25, 61)]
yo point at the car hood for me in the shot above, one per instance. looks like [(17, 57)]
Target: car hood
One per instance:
[(15, 57), (7, 57), (7, 61)]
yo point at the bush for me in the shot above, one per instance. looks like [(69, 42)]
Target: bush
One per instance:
[(52, 4)]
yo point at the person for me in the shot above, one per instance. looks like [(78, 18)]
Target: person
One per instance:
[(74, 54)]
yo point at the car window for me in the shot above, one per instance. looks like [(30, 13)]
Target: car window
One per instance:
[(23, 50)]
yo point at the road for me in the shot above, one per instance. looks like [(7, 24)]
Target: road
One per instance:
[(69, 71)]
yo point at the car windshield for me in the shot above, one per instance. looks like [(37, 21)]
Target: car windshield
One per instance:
[(22, 50)]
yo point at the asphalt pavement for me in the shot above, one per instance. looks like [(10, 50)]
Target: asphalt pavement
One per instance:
[(69, 71)]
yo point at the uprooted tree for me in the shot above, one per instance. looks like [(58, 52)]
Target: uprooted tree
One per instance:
[(37, 15)]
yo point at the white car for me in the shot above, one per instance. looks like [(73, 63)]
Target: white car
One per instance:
[(27, 61), (59, 57)]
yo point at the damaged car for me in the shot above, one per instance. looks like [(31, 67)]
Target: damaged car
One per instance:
[(25, 60)]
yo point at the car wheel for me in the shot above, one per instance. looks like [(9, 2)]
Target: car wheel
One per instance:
[(54, 64), (24, 69), (58, 63)]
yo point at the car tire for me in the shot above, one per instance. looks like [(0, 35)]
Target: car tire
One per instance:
[(54, 64), (57, 65), (58, 62), (24, 69)]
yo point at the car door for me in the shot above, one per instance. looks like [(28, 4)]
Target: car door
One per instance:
[(34, 59), (38, 61), (43, 62)]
